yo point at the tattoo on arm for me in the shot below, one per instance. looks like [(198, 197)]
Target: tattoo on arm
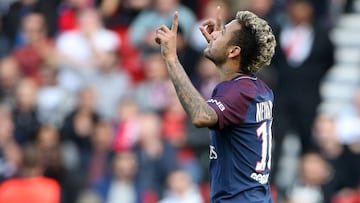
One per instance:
[(191, 100)]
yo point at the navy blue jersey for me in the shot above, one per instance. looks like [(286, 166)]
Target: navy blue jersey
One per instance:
[(240, 143)]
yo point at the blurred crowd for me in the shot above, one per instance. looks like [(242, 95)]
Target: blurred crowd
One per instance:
[(88, 112)]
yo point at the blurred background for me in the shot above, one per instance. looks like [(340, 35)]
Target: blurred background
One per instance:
[(88, 113)]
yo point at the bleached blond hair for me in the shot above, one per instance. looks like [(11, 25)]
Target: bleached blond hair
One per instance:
[(256, 40)]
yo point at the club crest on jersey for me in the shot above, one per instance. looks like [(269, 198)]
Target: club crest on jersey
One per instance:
[(213, 154), (218, 103)]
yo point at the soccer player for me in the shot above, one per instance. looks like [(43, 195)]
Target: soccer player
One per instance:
[(239, 114)]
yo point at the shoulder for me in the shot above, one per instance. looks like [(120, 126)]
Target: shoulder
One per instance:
[(10, 183), (69, 37), (106, 39), (50, 183), (69, 34), (15, 7), (239, 86)]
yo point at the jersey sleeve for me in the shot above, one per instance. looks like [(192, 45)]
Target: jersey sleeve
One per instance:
[(231, 103)]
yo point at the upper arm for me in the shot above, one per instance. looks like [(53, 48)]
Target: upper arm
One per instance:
[(231, 105)]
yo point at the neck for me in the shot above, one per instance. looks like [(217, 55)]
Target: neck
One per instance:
[(228, 72), (125, 179)]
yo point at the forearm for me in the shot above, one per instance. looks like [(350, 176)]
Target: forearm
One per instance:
[(201, 114)]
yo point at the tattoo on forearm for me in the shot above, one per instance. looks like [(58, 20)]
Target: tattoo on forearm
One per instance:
[(192, 101)]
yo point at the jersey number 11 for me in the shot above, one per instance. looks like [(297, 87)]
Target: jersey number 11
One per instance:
[(264, 132)]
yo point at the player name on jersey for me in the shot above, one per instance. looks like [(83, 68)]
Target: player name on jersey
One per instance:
[(263, 110)]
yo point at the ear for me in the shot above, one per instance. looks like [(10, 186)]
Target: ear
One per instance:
[(234, 51)]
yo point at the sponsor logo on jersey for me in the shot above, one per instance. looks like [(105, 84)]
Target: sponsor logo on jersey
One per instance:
[(261, 178), (218, 103), (213, 154)]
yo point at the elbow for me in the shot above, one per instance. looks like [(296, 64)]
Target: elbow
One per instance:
[(199, 123), (204, 120)]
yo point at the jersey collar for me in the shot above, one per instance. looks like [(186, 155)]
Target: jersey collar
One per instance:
[(251, 77)]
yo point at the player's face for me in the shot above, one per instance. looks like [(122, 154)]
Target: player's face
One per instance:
[(218, 47)]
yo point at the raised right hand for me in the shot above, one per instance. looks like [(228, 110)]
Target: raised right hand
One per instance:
[(211, 25)]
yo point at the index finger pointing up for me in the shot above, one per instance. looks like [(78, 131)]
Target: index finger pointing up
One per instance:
[(218, 18), (175, 23)]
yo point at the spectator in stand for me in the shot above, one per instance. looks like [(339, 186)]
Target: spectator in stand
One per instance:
[(208, 77), (19, 9), (10, 154), (10, 160), (54, 101), (25, 116), (142, 30), (303, 57), (152, 93), (110, 74), (157, 158), (126, 124), (348, 131), (187, 55), (31, 186), (37, 47), (5, 47), (9, 79), (342, 160), (174, 120), (79, 125), (348, 123), (77, 131), (98, 164), (121, 13), (82, 45), (181, 189), (267, 10), (115, 12), (79, 50), (122, 186), (314, 173), (118, 16), (68, 10), (48, 142)]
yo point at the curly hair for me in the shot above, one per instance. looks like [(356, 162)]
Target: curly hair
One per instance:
[(256, 40)]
